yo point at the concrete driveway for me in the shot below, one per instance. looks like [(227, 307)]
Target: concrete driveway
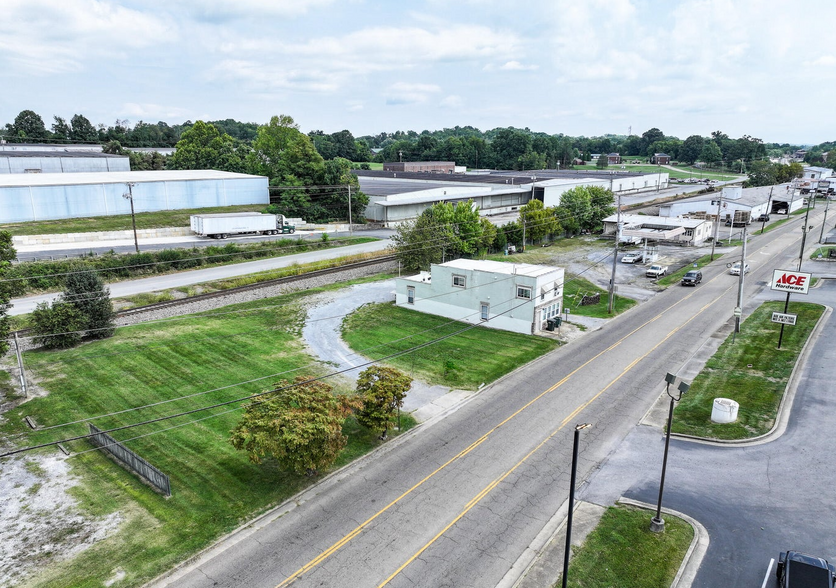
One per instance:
[(755, 500)]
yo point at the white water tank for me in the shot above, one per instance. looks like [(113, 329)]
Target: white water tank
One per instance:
[(724, 410)]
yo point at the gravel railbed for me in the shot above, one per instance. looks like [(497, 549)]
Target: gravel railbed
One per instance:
[(258, 294)]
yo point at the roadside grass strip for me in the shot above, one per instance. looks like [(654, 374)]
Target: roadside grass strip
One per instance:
[(751, 371), (676, 276), (121, 222), (622, 551), (464, 361), (214, 487), (576, 288)]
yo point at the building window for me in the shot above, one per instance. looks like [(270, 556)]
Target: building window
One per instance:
[(459, 281), (484, 308), (524, 292), (410, 295)]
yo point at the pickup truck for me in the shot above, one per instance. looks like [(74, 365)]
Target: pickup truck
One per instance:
[(656, 271), (798, 570)]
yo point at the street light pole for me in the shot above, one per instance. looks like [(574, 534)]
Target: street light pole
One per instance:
[(615, 257), (804, 230), (824, 220), (716, 227), (578, 429), (657, 523), (130, 196), (740, 281)]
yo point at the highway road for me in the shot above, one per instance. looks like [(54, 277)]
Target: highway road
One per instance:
[(457, 501), (189, 278)]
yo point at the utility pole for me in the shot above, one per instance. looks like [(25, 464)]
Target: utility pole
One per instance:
[(824, 220), (130, 196), (615, 256), (768, 208), (716, 228), (804, 230), (522, 215), (20, 366), (740, 279), (349, 209)]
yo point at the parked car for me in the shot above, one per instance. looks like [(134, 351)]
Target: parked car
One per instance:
[(763, 218), (692, 278), (656, 271), (734, 269), (798, 570), (635, 257)]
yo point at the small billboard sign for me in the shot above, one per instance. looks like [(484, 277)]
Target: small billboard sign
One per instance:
[(790, 281), (784, 319)]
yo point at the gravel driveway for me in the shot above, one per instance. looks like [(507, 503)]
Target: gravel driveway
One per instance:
[(322, 335)]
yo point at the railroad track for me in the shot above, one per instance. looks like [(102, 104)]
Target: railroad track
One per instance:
[(256, 286), (251, 287)]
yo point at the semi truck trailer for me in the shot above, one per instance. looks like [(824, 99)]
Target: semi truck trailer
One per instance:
[(221, 226)]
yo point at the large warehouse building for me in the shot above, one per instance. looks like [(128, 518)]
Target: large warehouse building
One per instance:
[(58, 162), (401, 196), (45, 196)]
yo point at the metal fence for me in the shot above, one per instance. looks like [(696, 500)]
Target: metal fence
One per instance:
[(130, 460)]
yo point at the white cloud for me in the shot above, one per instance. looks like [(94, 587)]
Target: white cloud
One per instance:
[(153, 111), (220, 10), (826, 60), (517, 66), (452, 101), (51, 36), (354, 106), (404, 93)]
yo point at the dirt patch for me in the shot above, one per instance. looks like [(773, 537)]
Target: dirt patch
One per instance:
[(40, 522)]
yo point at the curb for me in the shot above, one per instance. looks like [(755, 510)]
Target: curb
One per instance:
[(784, 408), (696, 551)]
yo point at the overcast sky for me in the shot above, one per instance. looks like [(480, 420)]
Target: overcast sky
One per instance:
[(766, 68)]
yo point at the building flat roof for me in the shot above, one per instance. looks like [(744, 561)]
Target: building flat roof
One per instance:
[(501, 267), (749, 197), (641, 220), (117, 177)]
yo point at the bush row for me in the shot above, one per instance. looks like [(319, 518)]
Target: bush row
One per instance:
[(23, 278)]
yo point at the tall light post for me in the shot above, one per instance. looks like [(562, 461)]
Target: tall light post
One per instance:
[(578, 429), (611, 302), (824, 220), (804, 230), (130, 196), (657, 523)]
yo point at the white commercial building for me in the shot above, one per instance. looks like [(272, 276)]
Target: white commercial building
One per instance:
[(60, 162), (735, 202), (518, 297), (636, 228), (30, 197)]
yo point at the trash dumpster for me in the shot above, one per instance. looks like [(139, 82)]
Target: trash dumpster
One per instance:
[(550, 325)]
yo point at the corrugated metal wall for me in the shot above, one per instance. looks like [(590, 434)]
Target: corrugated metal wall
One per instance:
[(48, 165), (21, 204)]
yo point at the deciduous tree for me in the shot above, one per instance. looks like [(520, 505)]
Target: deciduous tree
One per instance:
[(382, 391), (87, 292), (300, 425)]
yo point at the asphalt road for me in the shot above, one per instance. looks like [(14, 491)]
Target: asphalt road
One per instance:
[(181, 279), (457, 502), (755, 501)]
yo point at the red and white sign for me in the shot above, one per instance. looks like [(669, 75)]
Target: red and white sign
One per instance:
[(790, 281)]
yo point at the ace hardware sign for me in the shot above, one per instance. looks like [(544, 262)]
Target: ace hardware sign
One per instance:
[(790, 281)]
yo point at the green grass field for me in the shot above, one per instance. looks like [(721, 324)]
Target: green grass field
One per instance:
[(378, 330), (750, 370), (680, 172), (214, 487), (676, 276), (622, 551), (577, 287)]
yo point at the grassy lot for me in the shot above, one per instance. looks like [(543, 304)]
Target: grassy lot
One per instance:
[(576, 288), (674, 278), (823, 251), (678, 173), (623, 552), (751, 371), (377, 330), (121, 222), (215, 488)]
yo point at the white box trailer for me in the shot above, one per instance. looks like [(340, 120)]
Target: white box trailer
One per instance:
[(223, 225)]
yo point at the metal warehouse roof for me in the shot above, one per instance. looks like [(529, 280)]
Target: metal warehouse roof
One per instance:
[(71, 154), (749, 197), (117, 177)]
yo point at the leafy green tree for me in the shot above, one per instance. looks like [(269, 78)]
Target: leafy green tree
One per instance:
[(575, 210), (337, 174), (650, 136), (7, 255), (285, 155), (691, 149), (60, 129), (57, 325), (711, 153), (601, 205), (513, 233), (762, 173), (508, 146), (299, 425), (83, 130), (204, 147), (87, 292), (488, 240), (27, 127), (441, 233), (539, 222), (382, 391), (602, 161)]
